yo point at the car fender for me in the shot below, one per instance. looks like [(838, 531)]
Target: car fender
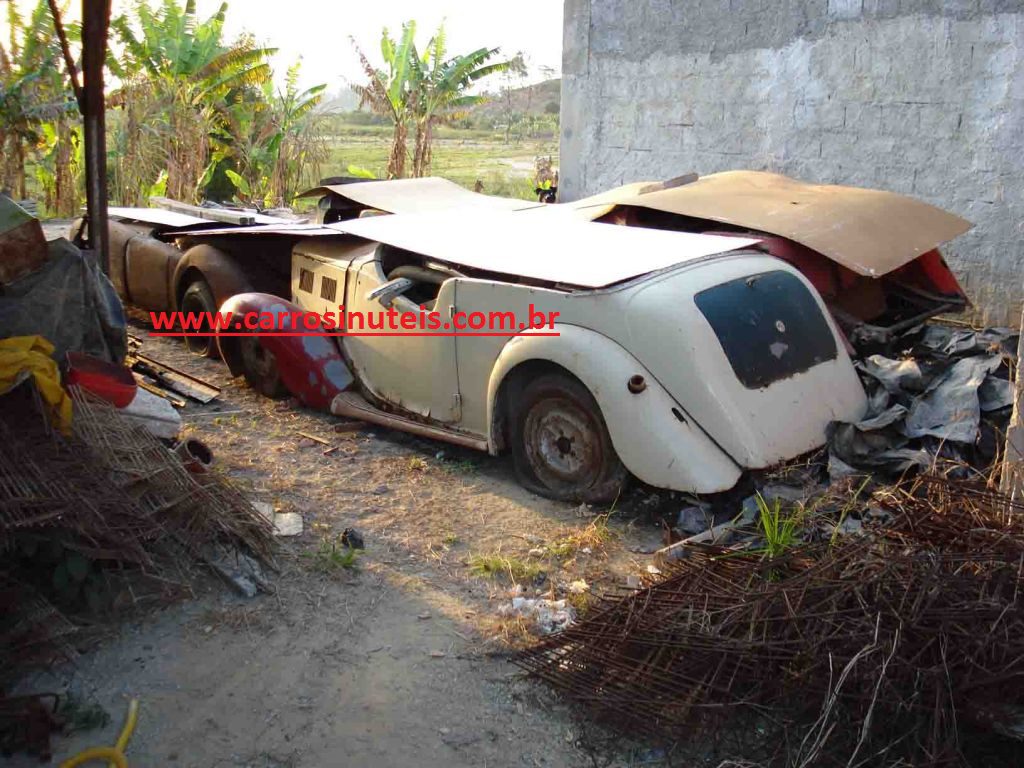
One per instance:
[(311, 366), (223, 273), (655, 438)]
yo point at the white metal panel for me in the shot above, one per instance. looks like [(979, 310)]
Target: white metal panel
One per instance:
[(302, 230), (419, 196), (155, 216), (551, 248)]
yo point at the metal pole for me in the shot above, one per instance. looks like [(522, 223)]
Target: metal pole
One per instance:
[(95, 21)]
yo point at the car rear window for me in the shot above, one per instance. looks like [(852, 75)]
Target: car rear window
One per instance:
[(769, 325)]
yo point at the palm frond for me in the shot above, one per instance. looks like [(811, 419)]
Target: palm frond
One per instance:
[(397, 88), (234, 58), (255, 74)]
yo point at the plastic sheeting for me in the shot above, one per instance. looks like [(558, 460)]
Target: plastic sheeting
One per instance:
[(69, 302), (950, 398)]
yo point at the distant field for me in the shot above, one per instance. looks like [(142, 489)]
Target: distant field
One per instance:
[(464, 156)]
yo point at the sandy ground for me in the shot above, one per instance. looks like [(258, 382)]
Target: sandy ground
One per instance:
[(400, 661)]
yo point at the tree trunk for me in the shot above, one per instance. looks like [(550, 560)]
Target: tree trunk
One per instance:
[(19, 166), (65, 190), (423, 152), (396, 162)]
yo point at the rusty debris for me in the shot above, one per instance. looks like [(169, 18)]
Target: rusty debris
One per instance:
[(104, 502), (905, 647)]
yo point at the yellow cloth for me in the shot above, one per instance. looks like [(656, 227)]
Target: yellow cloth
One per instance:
[(23, 356)]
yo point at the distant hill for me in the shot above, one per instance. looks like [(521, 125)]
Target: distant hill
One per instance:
[(343, 100), (537, 99)]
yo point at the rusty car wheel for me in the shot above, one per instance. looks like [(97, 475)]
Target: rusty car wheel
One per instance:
[(561, 446), (260, 369), (198, 301), (259, 366)]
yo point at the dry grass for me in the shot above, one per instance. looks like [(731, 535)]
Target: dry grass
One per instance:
[(593, 537), (496, 565)]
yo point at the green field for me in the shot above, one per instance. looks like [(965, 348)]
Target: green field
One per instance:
[(462, 155)]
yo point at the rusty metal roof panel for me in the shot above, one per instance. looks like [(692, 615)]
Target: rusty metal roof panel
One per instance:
[(869, 231)]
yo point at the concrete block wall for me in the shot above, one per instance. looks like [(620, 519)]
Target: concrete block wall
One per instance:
[(921, 97)]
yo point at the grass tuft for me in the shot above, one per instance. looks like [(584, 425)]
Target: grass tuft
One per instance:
[(593, 536), (779, 529), (494, 566), (331, 555)]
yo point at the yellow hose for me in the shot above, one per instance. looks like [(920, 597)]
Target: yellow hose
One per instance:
[(113, 755), (116, 758)]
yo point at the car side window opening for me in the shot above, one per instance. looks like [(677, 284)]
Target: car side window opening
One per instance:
[(426, 276)]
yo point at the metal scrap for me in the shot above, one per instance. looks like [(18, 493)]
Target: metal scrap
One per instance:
[(902, 647)]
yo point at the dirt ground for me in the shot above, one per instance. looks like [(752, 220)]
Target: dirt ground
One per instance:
[(399, 661)]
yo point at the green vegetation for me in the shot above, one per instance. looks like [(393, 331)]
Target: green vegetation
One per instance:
[(495, 565), (193, 115), (465, 156), (421, 91), (199, 112), (593, 536), (38, 116), (779, 529), (332, 556)]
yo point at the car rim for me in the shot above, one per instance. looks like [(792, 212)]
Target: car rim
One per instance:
[(562, 444), (197, 344)]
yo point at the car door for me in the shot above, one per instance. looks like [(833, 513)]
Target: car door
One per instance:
[(410, 368)]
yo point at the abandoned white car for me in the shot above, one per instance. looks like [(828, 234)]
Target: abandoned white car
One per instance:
[(681, 359)]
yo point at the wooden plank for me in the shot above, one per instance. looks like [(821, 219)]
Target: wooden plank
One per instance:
[(210, 214), (177, 402), (176, 380)]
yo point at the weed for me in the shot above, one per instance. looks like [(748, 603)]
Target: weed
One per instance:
[(581, 601), (450, 539), (593, 536), (79, 715), (331, 555), (514, 632), (464, 467), (847, 508), (417, 464), (495, 565), (779, 530)]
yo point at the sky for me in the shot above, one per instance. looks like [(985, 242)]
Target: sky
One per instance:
[(319, 30)]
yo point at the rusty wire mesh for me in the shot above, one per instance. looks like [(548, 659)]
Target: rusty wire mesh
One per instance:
[(904, 647), (111, 490), (114, 494)]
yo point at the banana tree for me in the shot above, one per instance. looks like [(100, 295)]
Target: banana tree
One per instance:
[(442, 85), (179, 81), (389, 92), (35, 105), (276, 143)]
